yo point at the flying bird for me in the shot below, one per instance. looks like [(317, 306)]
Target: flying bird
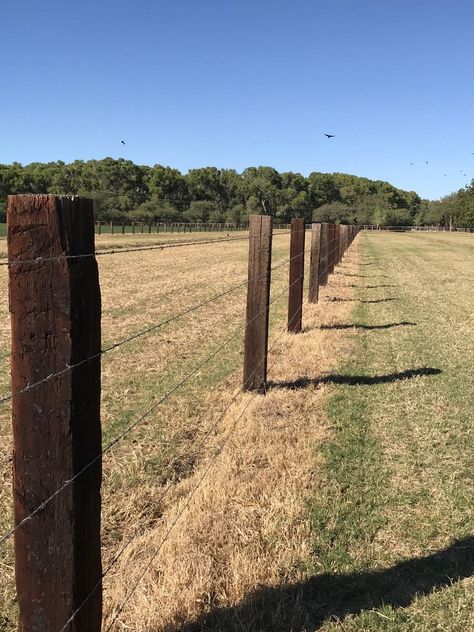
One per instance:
[(329, 135), (411, 164), (426, 162), (123, 142)]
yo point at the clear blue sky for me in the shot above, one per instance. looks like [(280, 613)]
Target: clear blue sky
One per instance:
[(237, 83)]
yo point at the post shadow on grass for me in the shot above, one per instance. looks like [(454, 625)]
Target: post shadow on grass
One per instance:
[(369, 287), (336, 299), (364, 276), (306, 605), (403, 323), (355, 380)]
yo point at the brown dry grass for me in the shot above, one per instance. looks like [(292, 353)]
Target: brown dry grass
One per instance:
[(118, 241), (247, 523)]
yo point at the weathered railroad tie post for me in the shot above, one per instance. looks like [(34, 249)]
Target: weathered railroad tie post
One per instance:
[(258, 296), (315, 263), (296, 277), (332, 248), (324, 254), (55, 313)]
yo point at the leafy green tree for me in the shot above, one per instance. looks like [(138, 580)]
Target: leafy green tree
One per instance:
[(200, 211), (120, 188), (237, 215), (168, 185), (332, 212)]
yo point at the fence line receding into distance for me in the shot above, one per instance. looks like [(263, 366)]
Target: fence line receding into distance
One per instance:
[(56, 384)]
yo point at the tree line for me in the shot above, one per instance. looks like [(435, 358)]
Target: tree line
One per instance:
[(125, 191), (456, 208)]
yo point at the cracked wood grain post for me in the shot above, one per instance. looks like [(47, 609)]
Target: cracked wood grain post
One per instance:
[(331, 246), (258, 296), (343, 241), (315, 263), (337, 244), (55, 315), (296, 276), (324, 254)]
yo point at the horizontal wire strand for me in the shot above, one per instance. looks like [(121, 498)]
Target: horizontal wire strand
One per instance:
[(163, 246), (29, 387), (193, 492), (129, 428)]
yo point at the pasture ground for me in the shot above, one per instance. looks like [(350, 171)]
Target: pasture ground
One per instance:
[(342, 500), (117, 241)]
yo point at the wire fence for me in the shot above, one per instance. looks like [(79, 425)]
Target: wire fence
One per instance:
[(255, 331), (113, 251)]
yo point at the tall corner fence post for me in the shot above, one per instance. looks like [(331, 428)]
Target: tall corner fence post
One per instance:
[(55, 313), (296, 275), (258, 299), (314, 264)]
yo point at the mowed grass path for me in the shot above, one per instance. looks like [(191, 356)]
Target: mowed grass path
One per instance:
[(394, 523), (392, 519)]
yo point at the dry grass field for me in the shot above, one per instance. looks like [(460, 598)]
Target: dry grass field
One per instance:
[(341, 500)]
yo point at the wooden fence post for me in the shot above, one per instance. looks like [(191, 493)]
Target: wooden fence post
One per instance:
[(337, 244), (55, 314), (123, 228), (331, 244), (314, 266), (296, 278), (324, 254), (258, 295)]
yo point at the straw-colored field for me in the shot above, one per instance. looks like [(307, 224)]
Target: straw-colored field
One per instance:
[(332, 500), (107, 242), (140, 289)]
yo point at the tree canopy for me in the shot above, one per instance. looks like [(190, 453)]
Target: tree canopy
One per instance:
[(125, 191), (457, 208)]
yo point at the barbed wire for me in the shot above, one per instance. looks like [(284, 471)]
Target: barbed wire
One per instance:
[(217, 454), (6, 398), (162, 246), (142, 417), (180, 513)]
